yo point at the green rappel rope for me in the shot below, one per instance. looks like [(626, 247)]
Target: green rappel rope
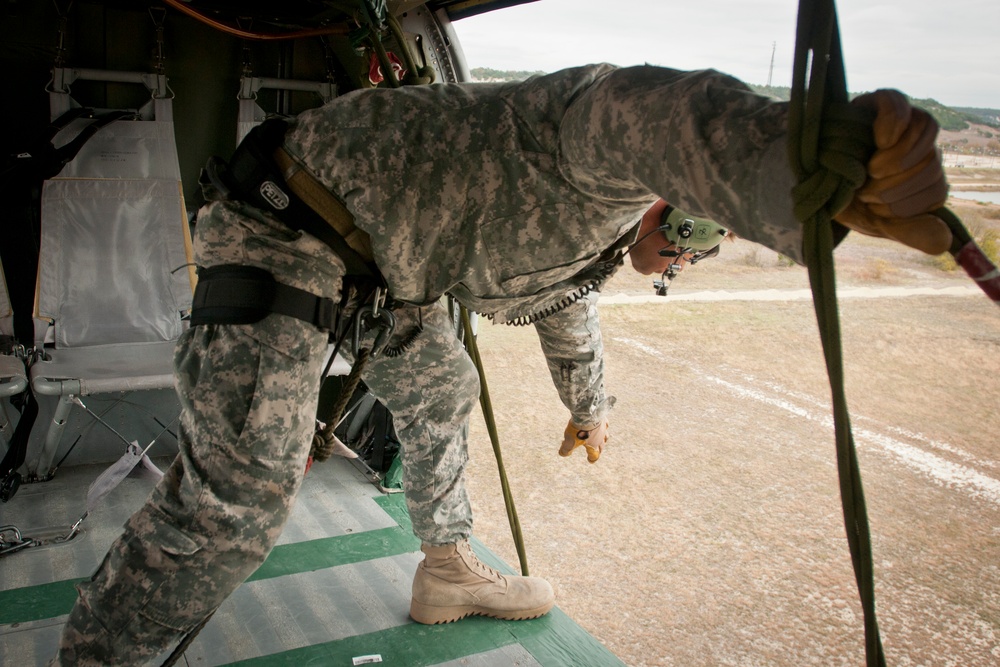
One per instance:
[(811, 106), (491, 426)]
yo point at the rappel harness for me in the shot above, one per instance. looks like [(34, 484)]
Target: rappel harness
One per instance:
[(261, 174)]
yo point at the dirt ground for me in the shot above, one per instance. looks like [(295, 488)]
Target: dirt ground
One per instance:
[(710, 532)]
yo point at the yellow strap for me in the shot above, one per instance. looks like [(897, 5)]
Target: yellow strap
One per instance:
[(321, 200)]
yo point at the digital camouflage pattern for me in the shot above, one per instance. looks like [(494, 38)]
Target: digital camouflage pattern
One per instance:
[(248, 398), (501, 194), (511, 198), (248, 405), (430, 389), (505, 196), (573, 347)]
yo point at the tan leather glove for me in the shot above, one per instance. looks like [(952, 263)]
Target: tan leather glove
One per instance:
[(592, 440), (905, 178)]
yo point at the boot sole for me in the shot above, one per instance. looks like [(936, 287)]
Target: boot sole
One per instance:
[(430, 615)]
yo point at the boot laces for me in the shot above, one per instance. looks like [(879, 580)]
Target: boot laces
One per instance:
[(479, 565)]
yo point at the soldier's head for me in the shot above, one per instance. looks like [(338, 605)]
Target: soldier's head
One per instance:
[(669, 239)]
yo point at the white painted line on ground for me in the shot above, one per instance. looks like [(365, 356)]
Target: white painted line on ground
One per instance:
[(855, 417), (938, 469), (789, 294)]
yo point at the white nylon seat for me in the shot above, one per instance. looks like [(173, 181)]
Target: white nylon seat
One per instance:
[(114, 278)]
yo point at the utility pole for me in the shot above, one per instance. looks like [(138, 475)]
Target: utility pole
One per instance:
[(774, 45)]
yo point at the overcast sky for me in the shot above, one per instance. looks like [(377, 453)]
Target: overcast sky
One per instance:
[(948, 50)]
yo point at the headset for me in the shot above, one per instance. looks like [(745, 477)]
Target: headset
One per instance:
[(699, 237)]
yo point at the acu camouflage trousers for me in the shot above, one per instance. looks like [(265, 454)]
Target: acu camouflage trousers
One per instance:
[(248, 396)]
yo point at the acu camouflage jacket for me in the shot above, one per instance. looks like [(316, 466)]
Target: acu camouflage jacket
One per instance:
[(506, 195)]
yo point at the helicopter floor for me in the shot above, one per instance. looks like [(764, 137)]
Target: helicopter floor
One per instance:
[(335, 590)]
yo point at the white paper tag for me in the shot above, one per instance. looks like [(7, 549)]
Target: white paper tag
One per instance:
[(367, 659)]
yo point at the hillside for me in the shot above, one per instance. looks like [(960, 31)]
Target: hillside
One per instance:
[(954, 119)]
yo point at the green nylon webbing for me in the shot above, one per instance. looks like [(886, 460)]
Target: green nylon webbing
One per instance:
[(818, 36), (491, 426)]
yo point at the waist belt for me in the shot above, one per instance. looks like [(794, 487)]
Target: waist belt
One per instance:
[(261, 173), (233, 294)]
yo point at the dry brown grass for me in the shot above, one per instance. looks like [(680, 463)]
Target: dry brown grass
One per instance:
[(710, 532)]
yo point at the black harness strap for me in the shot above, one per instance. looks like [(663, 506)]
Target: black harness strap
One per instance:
[(10, 479), (235, 294)]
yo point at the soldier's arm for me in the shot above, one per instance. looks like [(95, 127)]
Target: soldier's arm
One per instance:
[(574, 350)]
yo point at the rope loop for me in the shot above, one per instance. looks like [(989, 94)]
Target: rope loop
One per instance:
[(846, 143), (323, 439)]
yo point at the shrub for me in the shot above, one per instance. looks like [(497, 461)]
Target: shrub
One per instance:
[(753, 257), (944, 262), (990, 244), (784, 262), (877, 269), (988, 241)]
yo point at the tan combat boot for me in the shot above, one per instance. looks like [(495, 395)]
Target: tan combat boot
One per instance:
[(452, 583)]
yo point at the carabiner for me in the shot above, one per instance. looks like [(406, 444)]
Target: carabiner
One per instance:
[(381, 320)]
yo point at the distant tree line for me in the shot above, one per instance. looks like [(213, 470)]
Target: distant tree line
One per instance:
[(490, 74), (955, 118), (783, 93)]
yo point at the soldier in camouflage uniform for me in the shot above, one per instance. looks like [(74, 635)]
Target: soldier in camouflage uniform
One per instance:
[(516, 199)]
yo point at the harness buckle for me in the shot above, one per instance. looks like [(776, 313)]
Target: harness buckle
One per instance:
[(326, 314)]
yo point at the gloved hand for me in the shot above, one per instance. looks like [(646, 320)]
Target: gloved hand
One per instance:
[(905, 178), (592, 440)]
